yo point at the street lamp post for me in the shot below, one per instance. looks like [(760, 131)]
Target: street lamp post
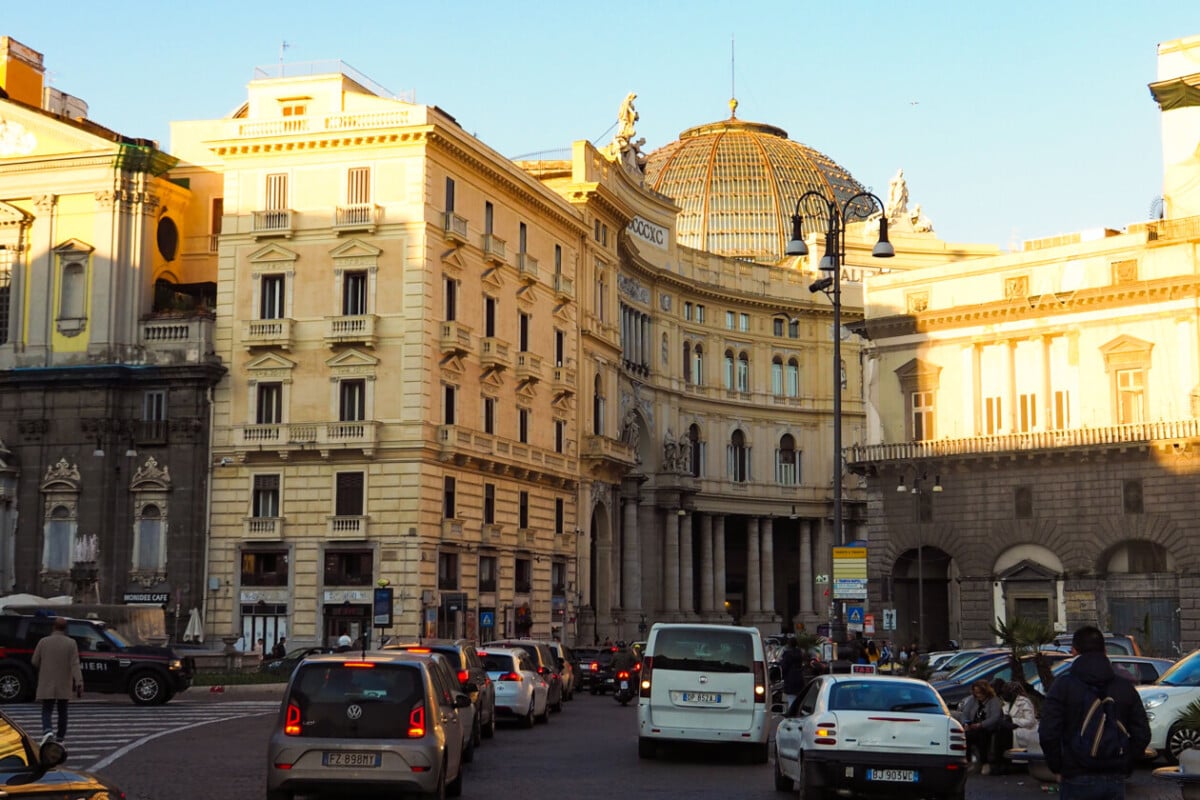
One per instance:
[(917, 492), (836, 218)]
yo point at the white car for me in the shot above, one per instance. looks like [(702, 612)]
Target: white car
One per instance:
[(1165, 700), (521, 693), (870, 735)]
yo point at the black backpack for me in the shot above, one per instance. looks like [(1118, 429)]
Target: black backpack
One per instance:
[(1101, 742)]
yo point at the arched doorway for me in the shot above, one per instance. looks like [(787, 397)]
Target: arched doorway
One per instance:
[(1143, 595), (1028, 584), (598, 597), (923, 588)]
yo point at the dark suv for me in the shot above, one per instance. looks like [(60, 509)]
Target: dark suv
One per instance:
[(472, 678), (151, 675)]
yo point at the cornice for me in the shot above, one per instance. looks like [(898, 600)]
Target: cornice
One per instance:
[(328, 140), (58, 163), (1182, 92)]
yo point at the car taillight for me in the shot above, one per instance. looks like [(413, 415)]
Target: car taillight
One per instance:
[(958, 739), (594, 666), (622, 675), (463, 676), (512, 676), (760, 682), (416, 722), (291, 724), (647, 667), (826, 733)]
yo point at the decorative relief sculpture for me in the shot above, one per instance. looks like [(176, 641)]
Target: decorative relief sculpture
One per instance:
[(631, 433)]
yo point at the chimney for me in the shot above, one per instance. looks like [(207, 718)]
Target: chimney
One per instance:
[(21, 72), (1177, 92)]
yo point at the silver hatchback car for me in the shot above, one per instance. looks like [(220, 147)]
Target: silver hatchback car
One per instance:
[(370, 724)]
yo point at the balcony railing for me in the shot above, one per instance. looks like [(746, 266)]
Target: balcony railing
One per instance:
[(562, 380), (1109, 436), (529, 366), (344, 527), (321, 436), (323, 122), (356, 217), (494, 353), (455, 227), (351, 330), (273, 222), (452, 529), (177, 340), (491, 533), (455, 338), (564, 287), (602, 447), (267, 333), (493, 248), (527, 267), (263, 528)]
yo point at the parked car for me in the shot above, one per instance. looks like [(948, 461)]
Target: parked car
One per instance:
[(447, 681), (28, 769), (957, 689), (521, 693), (149, 675), (1165, 700), (354, 724), (566, 666), (1120, 644), (904, 740), (285, 665), (964, 659), (547, 664), (1142, 670), (599, 671), (472, 678)]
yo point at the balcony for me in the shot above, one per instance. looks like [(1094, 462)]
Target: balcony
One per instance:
[(267, 333), (461, 441), (350, 330), (564, 542), (602, 448), (177, 339), (529, 366), (455, 227), (494, 354), (526, 537), (262, 528), (452, 529), (343, 527), (562, 380), (455, 338), (356, 217), (493, 249), (272, 222), (564, 287), (324, 437), (527, 267), (491, 533)]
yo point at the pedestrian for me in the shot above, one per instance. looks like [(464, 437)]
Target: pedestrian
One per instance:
[(1077, 707), (344, 644), (1020, 717), (793, 665), (280, 649), (56, 658), (981, 717)]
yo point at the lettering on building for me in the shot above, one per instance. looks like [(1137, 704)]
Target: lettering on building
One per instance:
[(648, 232)]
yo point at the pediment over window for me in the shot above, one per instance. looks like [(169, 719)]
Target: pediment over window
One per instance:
[(270, 362), (1126, 351), (74, 246), (351, 358), (62, 476), (918, 375), (355, 248), (1027, 571), (272, 254), (151, 476), (11, 215)]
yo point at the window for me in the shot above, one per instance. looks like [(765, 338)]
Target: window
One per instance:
[(294, 109), (60, 536), (743, 373), (275, 216), (215, 219), (777, 326), (352, 400), (349, 567), (558, 577), (489, 415), (487, 573), (523, 415), (523, 575), (794, 329), (154, 416), (6, 262), (523, 238), (597, 406), (738, 458), (1062, 411), (560, 347), (699, 313), (348, 501), (696, 456), (992, 419), (1132, 496), (730, 320), (269, 409), (601, 295), (450, 195), (1026, 412), (558, 259), (793, 378), (358, 185), (687, 362), (922, 416), (523, 510), (451, 297), (447, 570), (265, 497), (354, 294), (1131, 396), (559, 514), (449, 396), (687, 311), (149, 546), (271, 301), (489, 215), (489, 316), (523, 331), (448, 502), (559, 435), (264, 568), (698, 365), (489, 504), (729, 370), (744, 323), (787, 462)]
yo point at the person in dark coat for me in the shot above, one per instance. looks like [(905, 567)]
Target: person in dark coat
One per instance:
[(1069, 699), (796, 673)]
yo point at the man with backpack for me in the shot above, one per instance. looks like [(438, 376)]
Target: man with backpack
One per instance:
[(1093, 725)]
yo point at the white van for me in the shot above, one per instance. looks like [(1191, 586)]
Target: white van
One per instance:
[(703, 683)]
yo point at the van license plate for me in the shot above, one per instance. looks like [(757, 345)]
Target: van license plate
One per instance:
[(338, 758), (892, 775), (701, 697)]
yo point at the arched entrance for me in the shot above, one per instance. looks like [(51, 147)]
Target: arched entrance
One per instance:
[(923, 588), (1029, 585), (597, 599), (1143, 595)]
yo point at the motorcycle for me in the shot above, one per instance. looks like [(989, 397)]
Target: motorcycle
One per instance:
[(625, 690)]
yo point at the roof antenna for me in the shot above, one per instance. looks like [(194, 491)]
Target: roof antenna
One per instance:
[(283, 45), (733, 103)]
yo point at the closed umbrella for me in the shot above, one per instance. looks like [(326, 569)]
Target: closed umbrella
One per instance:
[(194, 632)]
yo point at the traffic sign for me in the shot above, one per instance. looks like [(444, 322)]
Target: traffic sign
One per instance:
[(854, 615), (869, 623), (487, 619)]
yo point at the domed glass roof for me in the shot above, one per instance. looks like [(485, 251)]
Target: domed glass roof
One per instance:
[(737, 184)]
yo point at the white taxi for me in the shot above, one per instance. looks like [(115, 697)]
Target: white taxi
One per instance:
[(870, 735)]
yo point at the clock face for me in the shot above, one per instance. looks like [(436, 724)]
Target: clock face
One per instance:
[(15, 140)]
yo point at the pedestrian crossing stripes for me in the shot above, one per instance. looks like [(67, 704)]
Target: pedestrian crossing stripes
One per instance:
[(99, 733)]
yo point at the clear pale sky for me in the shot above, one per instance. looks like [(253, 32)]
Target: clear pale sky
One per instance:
[(1011, 120)]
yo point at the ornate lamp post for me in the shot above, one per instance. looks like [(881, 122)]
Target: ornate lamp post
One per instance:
[(836, 218)]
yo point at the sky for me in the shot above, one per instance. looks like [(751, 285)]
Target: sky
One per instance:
[(1011, 120)]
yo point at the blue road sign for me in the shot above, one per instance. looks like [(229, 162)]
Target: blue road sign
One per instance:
[(854, 615), (487, 619)]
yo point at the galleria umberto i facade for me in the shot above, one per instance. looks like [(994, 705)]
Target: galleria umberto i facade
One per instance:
[(343, 342)]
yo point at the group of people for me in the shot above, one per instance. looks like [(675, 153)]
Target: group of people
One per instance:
[(997, 716)]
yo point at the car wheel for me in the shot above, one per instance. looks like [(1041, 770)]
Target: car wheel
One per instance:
[(468, 751), (782, 782), (559, 705), (439, 793), (1179, 739), (545, 717), (148, 689), (527, 720), (647, 748), (14, 686), (454, 787), (489, 730)]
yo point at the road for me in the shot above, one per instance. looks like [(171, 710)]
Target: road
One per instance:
[(202, 747)]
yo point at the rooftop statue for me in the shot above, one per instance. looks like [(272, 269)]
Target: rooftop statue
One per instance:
[(897, 200), (624, 148)]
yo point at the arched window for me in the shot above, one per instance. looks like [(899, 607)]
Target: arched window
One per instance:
[(597, 406), (60, 533), (743, 372), (698, 365), (777, 376), (787, 462), (793, 378), (738, 458), (727, 374), (696, 468), (148, 547)]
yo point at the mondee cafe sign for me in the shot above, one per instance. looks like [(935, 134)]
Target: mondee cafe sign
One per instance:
[(648, 232)]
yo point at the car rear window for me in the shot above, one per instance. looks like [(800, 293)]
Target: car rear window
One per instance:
[(369, 702), (712, 651), (498, 662), (881, 696)]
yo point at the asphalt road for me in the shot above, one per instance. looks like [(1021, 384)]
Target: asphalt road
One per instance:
[(589, 750)]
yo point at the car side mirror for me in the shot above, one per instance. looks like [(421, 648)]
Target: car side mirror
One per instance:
[(462, 701)]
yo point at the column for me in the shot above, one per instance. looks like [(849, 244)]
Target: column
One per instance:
[(631, 582), (753, 569), (671, 564), (768, 566), (687, 594), (806, 570), (706, 566), (719, 566)]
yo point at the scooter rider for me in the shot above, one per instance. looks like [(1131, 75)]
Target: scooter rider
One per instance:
[(623, 658)]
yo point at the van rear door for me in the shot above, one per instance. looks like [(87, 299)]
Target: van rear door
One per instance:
[(703, 679)]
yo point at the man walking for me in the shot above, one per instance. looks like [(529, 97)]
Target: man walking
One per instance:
[(56, 658), (1096, 771)]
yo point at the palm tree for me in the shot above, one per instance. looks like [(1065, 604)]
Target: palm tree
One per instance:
[(1024, 637)]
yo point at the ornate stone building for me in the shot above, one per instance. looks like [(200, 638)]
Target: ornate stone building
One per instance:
[(1052, 394)]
